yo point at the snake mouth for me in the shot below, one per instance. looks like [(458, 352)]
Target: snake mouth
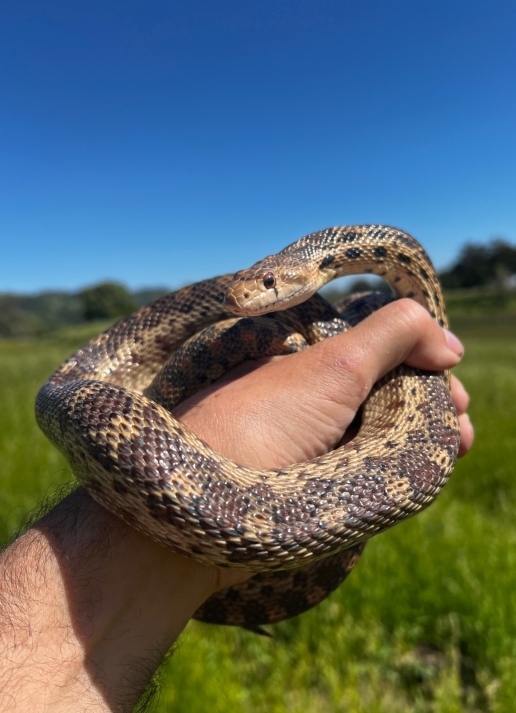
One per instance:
[(254, 306), (243, 301), (250, 298)]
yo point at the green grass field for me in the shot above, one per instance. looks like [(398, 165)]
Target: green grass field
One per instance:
[(426, 623)]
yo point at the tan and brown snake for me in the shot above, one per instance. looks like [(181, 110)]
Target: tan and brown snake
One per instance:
[(300, 528)]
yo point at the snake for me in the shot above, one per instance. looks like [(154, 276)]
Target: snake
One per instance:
[(299, 529)]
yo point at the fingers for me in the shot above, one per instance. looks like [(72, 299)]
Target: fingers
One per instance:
[(461, 400), (459, 395), (296, 407), (454, 343), (414, 337), (400, 332), (467, 435)]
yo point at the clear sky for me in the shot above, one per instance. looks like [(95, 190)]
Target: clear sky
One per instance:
[(157, 142)]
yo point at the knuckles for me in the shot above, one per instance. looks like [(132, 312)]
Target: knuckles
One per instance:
[(409, 313)]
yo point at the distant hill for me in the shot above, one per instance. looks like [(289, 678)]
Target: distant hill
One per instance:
[(34, 315)]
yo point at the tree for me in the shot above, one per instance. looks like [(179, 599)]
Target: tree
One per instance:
[(16, 323), (479, 265), (108, 300)]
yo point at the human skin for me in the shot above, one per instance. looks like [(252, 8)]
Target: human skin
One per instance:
[(89, 607)]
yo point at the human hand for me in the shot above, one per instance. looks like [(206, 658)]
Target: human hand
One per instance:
[(290, 409), (287, 409)]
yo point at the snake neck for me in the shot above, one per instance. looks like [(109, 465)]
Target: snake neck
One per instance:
[(374, 250), (301, 269)]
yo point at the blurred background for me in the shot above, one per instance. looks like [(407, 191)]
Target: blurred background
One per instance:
[(146, 145)]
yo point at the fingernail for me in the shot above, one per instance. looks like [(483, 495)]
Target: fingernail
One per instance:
[(454, 343)]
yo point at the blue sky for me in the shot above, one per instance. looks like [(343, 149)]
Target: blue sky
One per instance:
[(159, 142)]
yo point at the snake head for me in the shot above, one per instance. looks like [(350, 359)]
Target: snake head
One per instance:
[(266, 287)]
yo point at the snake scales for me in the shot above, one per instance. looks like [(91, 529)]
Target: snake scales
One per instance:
[(300, 528)]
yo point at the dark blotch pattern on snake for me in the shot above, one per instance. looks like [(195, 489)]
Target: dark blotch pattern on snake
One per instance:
[(300, 528)]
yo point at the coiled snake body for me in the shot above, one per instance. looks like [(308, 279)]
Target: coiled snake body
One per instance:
[(300, 528)]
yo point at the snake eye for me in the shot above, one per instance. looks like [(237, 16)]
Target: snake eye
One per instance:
[(269, 280)]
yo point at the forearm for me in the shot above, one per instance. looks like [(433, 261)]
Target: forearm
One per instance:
[(88, 610)]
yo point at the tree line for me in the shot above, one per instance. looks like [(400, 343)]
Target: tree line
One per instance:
[(35, 315), (477, 265)]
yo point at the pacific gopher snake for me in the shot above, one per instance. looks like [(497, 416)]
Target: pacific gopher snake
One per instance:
[(300, 528)]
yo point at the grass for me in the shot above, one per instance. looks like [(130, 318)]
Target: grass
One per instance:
[(426, 623)]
